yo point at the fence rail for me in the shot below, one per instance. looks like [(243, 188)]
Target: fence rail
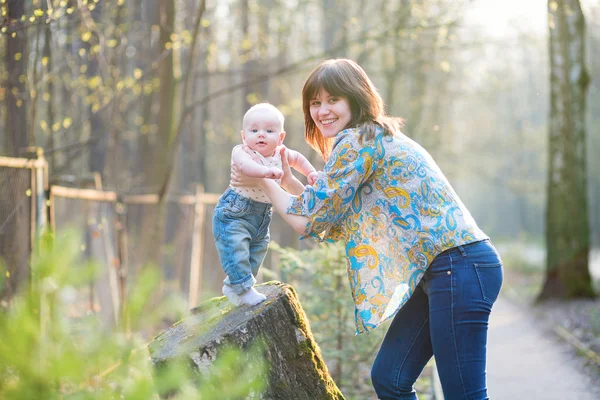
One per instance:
[(122, 226), (12, 162), (113, 226), (116, 231), (83, 194)]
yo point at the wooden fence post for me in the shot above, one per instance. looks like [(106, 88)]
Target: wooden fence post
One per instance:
[(122, 254), (197, 247), (41, 185)]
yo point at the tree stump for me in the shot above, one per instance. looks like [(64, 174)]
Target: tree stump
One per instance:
[(296, 370)]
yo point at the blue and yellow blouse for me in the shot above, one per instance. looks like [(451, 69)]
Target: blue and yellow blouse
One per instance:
[(395, 210)]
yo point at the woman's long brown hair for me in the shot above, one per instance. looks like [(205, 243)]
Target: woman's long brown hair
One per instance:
[(345, 78)]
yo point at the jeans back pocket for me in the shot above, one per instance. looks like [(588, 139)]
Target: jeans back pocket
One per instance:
[(490, 278)]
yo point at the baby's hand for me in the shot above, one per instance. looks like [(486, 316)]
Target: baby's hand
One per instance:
[(312, 177), (274, 173)]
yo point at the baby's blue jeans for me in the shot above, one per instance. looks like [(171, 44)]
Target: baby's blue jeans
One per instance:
[(241, 233), (446, 317)]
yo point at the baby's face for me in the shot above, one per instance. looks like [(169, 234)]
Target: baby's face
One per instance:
[(263, 132)]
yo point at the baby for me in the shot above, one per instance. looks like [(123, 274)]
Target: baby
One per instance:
[(242, 216)]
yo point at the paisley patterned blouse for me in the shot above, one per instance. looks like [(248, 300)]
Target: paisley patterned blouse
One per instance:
[(395, 210)]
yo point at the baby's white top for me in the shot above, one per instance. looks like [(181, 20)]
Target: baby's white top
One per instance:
[(256, 193)]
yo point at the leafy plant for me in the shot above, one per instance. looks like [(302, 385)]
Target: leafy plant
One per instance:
[(47, 354), (320, 278)]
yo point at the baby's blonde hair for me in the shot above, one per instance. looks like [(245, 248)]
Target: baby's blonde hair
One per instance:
[(264, 106)]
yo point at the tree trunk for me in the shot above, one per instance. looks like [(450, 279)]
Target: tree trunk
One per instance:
[(202, 124), (167, 93), (16, 93), (50, 90), (567, 229), (248, 59), (335, 32), (97, 127), (395, 21), (146, 15), (296, 369), (158, 172)]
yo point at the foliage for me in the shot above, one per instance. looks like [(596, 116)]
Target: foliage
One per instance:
[(319, 276), (47, 354)]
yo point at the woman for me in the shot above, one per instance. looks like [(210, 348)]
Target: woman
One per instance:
[(413, 250)]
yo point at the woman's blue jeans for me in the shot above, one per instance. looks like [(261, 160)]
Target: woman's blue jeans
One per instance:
[(446, 317)]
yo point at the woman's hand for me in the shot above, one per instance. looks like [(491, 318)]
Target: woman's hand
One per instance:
[(237, 178), (251, 153), (289, 182), (285, 166)]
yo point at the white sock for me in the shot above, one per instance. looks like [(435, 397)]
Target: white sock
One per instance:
[(231, 295), (252, 297)]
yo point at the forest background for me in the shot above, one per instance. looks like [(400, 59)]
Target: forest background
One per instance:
[(136, 90), (149, 95)]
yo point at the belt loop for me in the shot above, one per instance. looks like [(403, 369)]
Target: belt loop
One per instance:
[(462, 250)]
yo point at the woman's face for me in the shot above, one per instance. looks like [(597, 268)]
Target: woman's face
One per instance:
[(330, 113)]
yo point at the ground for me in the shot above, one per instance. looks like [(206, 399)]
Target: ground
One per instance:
[(576, 322)]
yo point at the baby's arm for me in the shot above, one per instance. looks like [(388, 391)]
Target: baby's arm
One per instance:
[(251, 168), (297, 161)]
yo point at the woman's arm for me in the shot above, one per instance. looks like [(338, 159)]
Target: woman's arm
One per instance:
[(281, 200), (289, 182), (322, 208), (279, 197)]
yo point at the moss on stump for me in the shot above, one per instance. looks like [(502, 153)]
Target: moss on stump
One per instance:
[(296, 368)]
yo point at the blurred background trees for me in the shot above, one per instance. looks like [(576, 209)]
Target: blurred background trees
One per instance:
[(567, 222), (150, 96)]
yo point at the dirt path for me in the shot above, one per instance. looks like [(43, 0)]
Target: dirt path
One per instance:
[(527, 361)]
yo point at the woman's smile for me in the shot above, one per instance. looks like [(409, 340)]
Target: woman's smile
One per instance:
[(328, 121)]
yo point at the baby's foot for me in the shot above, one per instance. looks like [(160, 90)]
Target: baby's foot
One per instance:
[(231, 295), (252, 297)]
